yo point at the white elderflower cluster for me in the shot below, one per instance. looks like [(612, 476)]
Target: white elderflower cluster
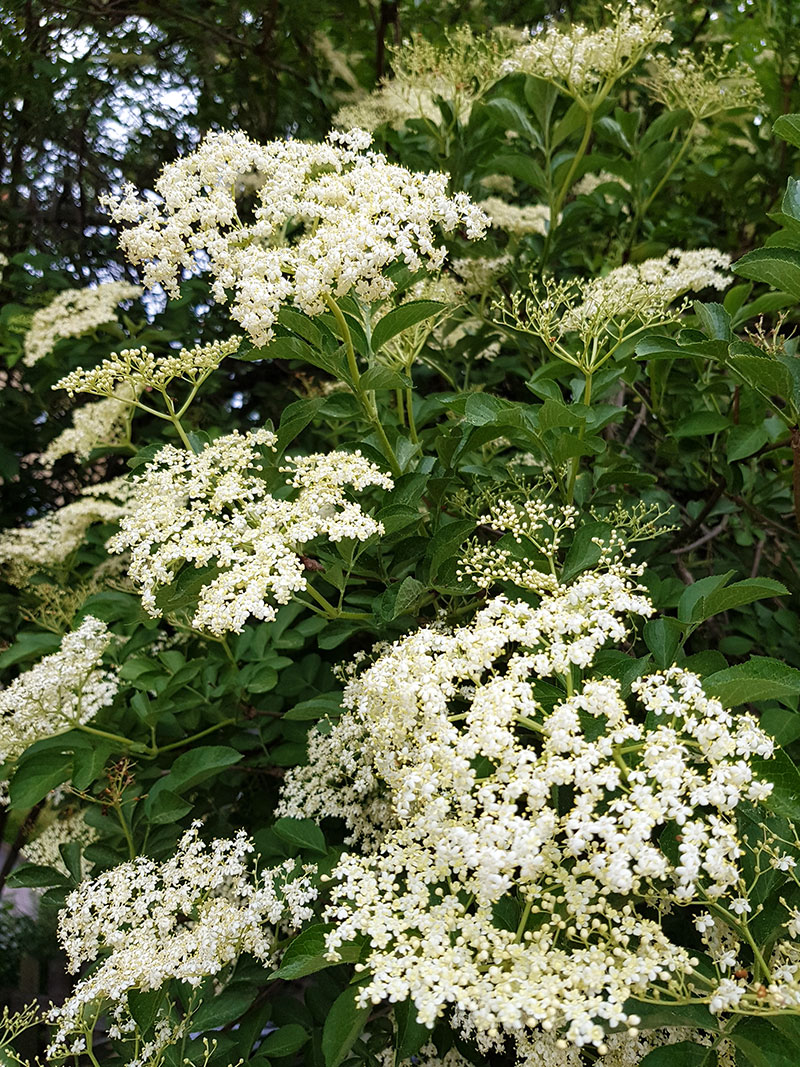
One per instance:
[(516, 881), (704, 87), (215, 508), (104, 423), (327, 219), (63, 690), (72, 314), (45, 850), (136, 369), (184, 919), (581, 61), (516, 220), (49, 541)]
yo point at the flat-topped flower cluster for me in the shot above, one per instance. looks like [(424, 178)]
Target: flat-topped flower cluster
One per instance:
[(62, 690), (297, 244), (185, 918), (73, 313), (515, 878), (214, 507)]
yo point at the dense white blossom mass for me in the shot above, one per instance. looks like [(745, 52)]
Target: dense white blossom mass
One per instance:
[(326, 220), (72, 314), (215, 508)]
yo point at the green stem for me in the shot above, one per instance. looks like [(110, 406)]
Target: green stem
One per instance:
[(344, 329), (576, 461), (668, 172), (558, 203), (194, 737), (125, 829), (118, 738), (523, 922), (412, 425)]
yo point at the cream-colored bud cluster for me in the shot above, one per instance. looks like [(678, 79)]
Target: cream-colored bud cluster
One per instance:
[(554, 811), (579, 61), (516, 220), (533, 524), (644, 291), (45, 850), (73, 313), (136, 369), (184, 919), (93, 425), (63, 690), (704, 87), (49, 541), (328, 219), (481, 272), (460, 71), (215, 508)]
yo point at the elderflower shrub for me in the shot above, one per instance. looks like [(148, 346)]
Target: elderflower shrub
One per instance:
[(62, 691), (215, 508), (74, 313), (551, 811), (186, 918), (298, 247), (584, 62)]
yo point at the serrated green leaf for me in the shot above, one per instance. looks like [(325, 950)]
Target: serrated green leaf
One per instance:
[(303, 833), (408, 596), (294, 419), (343, 1025), (787, 127), (760, 678), (36, 776), (35, 876), (778, 267)]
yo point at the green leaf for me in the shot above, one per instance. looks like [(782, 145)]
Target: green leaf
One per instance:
[(36, 776), (259, 677), (34, 876), (143, 1006), (780, 770), (763, 373), (744, 441), (192, 768), (319, 707), (760, 678), (410, 1034), (681, 1054), (787, 127), (294, 419), (29, 646), (764, 1045), (167, 807), (223, 1008), (701, 424), (384, 378), (482, 408), (445, 544), (408, 596), (284, 1041), (304, 833), (778, 267), (739, 594), (714, 319), (663, 637), (306, 954), (402, 318), (344, 1023)]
